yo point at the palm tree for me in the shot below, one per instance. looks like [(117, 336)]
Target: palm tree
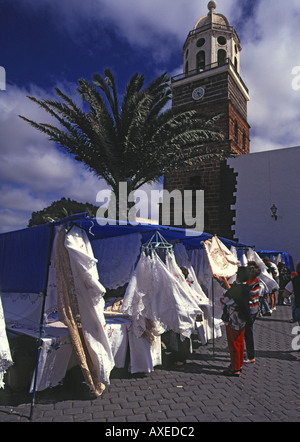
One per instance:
[(136, 142)]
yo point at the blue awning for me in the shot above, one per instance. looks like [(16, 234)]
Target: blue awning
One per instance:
[(272, 254), (24, 254), (24, 259)]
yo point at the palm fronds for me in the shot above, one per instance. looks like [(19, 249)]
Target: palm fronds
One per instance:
[(136, 142)]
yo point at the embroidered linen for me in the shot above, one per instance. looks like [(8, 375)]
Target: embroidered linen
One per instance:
[(5, 355), (116, 258), (221, 261), (183, 260), (81, 304), (212, 289), (155, 295)]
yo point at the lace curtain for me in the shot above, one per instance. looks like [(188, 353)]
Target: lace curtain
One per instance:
[(158, 298), (81, 305)]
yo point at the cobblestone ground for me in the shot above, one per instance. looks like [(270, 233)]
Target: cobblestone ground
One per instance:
[(267, 391)]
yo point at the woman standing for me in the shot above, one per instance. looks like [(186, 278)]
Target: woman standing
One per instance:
[(235, 315)]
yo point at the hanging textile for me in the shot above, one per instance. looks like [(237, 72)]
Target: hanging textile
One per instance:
[(243, 260), (51, 299), (5, 355), (239, 255), (212, 289), (201, 267), (183, 260), (81, 305), (221, 261), (116, 257), (157, 301), (264, 276)]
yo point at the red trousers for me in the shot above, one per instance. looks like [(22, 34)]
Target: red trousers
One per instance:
[(235, 339)]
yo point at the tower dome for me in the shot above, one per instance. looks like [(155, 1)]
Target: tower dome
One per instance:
[(212, 42), (212, 18)]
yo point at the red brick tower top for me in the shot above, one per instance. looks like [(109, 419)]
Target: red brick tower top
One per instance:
[(211, 80), (212, 85)]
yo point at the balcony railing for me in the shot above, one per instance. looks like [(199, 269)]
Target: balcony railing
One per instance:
[(214, 27), (206, 68)]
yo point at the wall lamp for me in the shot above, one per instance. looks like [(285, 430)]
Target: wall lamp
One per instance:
[(274, 212)]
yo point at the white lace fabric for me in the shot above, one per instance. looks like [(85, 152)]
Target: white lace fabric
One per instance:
[(156, 294), (264, 276), (221, 261), (81, 306), (5, 354)]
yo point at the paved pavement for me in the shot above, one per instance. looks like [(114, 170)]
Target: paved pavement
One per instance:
[(267, 391)]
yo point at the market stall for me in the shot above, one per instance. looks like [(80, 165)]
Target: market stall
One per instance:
[(54, 281)]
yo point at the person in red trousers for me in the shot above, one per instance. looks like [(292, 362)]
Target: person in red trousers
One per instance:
[(235, 315)]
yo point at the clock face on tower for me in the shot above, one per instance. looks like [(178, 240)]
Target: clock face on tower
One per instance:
[(198, 93)]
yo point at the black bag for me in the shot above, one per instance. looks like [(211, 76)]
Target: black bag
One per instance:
[(225, 314)]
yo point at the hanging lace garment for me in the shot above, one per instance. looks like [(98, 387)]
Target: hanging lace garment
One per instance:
[(156, 300), (212, 289), (5, 355), (243, 259), (51, 298), (264, 276), (221, 261), (80, 306), (200, 265), (234, 251), (183, 260), (116, 258)]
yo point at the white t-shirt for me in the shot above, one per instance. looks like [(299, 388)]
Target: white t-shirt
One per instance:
[(289, 287)]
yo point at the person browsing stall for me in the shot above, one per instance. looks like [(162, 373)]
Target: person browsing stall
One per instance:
[(236, 313)]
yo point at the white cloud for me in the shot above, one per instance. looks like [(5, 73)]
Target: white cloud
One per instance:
[(270, 53), (34, 173), (12, 220), (270, 41), (20, 199)]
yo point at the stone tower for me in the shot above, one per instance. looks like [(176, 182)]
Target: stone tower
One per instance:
[(211, 84)]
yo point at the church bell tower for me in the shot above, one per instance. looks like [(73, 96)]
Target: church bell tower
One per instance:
[(211, 84)]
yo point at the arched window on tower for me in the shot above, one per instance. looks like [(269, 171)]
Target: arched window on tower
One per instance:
[(200, 62), (222, 55), (186, 68), (236, 64), (244, 141), (236, 133)]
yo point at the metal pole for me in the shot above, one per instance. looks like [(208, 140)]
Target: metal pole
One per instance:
[(213, 314), (41, 327)]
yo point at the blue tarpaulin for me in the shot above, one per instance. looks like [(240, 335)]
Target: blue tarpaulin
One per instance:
[(24, 254), (24, 259), (273, 254)]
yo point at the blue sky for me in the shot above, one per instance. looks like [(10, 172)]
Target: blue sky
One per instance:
[(49, 43)]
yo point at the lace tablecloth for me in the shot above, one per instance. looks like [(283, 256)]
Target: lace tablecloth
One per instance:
[(57, 356)]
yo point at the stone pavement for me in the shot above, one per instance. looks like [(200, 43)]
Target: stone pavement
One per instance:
[(267, 391)]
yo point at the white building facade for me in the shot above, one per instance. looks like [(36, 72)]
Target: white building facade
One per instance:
[(265, 180)]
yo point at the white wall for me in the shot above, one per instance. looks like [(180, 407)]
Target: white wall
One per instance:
[(264, 179)]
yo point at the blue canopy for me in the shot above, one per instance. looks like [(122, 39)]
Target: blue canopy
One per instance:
[(272, 254), (24, 259), (25, 254), (110, 228)]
